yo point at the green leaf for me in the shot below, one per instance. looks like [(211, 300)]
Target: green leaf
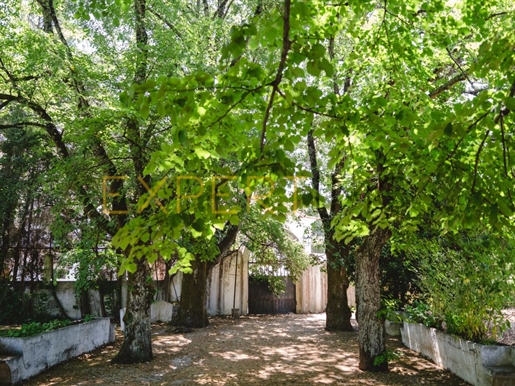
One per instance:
[(307, 198), (144, 110), (510, 103), (201, 153), (313, 69), (448, 129), (198, 224), (325, 65)]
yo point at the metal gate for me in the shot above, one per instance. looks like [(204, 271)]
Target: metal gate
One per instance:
[(263, 301)]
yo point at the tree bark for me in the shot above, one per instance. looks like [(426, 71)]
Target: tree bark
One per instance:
[(371, 339), (192, 304), (338, 312), (137, 345)]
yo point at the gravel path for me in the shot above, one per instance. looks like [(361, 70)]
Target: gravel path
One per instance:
[(264, 350)]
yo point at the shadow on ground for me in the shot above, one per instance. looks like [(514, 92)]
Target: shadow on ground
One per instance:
[(264, 350)]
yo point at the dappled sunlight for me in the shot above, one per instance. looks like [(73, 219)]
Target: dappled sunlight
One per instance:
[(255, 350), (235, 356)]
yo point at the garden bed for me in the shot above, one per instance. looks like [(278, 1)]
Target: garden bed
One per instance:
[(480, 365), (24, 357)]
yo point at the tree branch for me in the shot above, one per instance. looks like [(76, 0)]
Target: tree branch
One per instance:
[(459, 67), (446, 86), (280, 69), (478, 153), (505, 111), (308, 109), (166, 22), (498, 14), (49, 126), (504, 155), (220, 10), (315, 179)]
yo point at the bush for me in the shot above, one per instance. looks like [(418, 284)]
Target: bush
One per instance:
[(420, 312), (467, 281)]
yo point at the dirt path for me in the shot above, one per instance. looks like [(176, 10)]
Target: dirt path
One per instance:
[(271, 350)]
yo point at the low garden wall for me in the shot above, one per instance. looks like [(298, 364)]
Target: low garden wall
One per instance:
[(24, 357), (477, 364)]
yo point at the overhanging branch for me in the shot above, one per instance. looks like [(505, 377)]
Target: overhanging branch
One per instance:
[(280, 69)]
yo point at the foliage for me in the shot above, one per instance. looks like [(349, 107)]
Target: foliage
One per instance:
[(35, 328), (399, 279), (88, 265), (391, 309), (275, 253), (467, 280), (421, 127), (387, 356), (420, 312)]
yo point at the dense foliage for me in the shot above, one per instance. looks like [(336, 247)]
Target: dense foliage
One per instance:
[(467, 281)]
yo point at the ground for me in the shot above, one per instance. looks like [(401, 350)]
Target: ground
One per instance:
[(264, 350)]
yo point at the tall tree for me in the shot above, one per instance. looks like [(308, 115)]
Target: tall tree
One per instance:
[(338, 312)]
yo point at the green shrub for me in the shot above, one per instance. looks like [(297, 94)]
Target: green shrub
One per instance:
[(468, 280), (420, 312), (35, 328)]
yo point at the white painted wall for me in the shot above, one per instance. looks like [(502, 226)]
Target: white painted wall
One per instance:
[(223, 293), (311, 291)]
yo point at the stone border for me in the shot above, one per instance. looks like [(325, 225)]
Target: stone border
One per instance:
[(477, 364), (28, 356)]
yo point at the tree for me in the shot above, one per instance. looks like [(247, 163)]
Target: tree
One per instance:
[(337, 253), (406, 114), (65, 66)]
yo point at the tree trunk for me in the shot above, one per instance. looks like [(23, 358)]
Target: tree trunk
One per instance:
[(338, 312), (371, 339), (192, 304), (85, 307), (137, 345), (101, 297)]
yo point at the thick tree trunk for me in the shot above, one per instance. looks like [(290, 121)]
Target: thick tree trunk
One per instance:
[(137, 346), (192, 304), (372, 343), (338, 312)]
